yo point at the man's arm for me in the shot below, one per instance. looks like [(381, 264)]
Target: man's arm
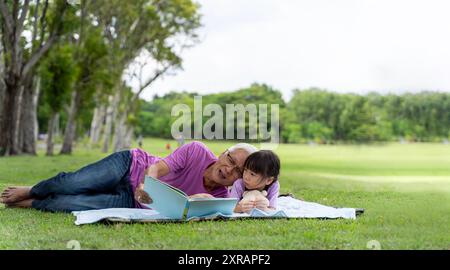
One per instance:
[(201, 196), (156, 170)]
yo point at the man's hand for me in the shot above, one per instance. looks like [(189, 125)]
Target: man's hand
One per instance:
[(201, 195), (141, 196)]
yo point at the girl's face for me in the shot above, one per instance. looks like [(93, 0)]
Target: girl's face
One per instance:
[(253, 180)]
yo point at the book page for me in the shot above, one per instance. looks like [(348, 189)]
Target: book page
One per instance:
[(201, 207), (172, 187), (168, 201), (210, 199)]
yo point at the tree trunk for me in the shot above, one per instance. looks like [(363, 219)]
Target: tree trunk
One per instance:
[(69, 133), (120, 132), (110, 115), (36, 93), (28, 122), (51, 124), (97, 121), (17, 67), (9, 131), (56, 128), (2, 96), (2, 85), (129, 137)]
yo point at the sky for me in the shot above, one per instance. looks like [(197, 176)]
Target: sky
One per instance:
[(340, 45)]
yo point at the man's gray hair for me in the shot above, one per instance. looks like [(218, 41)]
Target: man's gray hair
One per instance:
[(250, 149)]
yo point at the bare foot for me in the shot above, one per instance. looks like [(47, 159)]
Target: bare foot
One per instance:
[(15, 194), (21, 204)]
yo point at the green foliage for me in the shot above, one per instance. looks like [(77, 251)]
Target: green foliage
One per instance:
[(58, 72), (91, 58), (317, 132), (292, 133), (112, 35), (321, 116), (155, 118)]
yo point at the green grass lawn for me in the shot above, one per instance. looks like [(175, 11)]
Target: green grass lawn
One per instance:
[(405, 190)]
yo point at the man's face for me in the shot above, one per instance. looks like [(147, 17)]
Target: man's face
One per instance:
[(229, 167)]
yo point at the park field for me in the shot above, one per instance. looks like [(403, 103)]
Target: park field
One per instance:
[(404, 189)]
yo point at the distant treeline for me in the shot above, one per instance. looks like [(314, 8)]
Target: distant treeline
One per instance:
[(321, 116)]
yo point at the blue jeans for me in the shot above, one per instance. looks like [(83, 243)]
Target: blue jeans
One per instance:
[(103, 184)]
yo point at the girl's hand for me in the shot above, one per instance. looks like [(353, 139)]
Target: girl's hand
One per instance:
[(141, 196), (247, 207), (262, 204)]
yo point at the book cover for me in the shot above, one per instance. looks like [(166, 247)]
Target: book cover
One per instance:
[(175, 204)]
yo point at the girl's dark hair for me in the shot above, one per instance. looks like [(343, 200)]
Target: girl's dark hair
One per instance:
[(264, 162)]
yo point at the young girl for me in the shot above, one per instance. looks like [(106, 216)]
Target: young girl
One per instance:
[(261, 170)]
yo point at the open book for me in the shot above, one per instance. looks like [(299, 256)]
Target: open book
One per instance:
[(175, 204)]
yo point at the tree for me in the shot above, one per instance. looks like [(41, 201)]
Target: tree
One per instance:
[(19, 63), (318, 132), (91, 59), (160, 29), (57, 73), (155, 118)]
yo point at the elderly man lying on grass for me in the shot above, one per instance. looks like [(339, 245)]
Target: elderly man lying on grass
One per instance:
[(117, 181)]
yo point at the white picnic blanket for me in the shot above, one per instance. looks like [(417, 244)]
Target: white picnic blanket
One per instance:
[(288, 207)]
